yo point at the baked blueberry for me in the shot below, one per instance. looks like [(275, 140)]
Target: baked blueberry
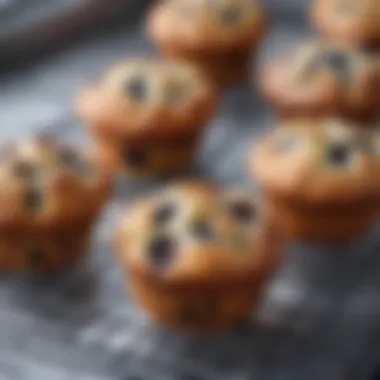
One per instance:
[(164, 214), (72, 161), (137, 88), (24, 170), (135, 157), (201, 229), (339, 154), (161, 251), (242, 211), (69, 158), (340, 64), (34, 199)]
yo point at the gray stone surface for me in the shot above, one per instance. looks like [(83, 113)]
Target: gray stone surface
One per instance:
[(319, 318)]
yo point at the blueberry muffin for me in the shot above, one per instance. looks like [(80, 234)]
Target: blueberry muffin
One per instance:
[(354, 21), (319, 179), (217, 35), (146, 116), (197, 257), (50, 195), (324, 79)]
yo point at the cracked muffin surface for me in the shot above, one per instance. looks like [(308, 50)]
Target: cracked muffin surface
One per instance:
[(319, 177), (51, 193), (193, 243), (320, 78)]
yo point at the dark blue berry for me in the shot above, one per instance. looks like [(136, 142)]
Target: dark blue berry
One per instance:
[(33, 199), (135, 157), (338, 154), (242, 211), (164, 214), (161, 251), (137, 88), (201, 229)]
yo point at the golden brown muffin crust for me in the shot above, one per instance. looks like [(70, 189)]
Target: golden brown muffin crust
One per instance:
[(321, 78), (318, 162), (46, 183), (196, 234), (207, 25), (148, 99), (353, 21)]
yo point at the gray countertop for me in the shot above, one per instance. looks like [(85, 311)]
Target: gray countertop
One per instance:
[(319, 318)]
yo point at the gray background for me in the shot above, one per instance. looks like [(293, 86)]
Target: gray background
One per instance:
[(319, 317)]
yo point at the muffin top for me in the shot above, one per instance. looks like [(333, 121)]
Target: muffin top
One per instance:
[(319, 162), (322, 77), (355, 21), (45, 183), (148, 98), (207, 25), (194, 233)]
